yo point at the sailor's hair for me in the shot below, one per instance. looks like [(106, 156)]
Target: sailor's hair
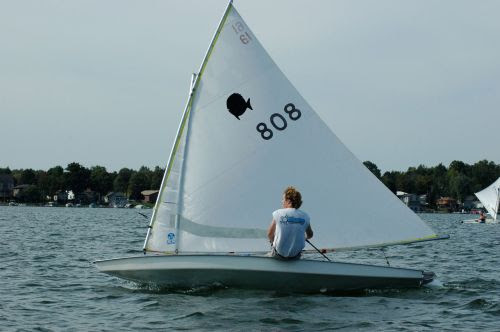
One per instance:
[(294, 196)]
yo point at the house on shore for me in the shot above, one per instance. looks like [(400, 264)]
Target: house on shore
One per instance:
[(17, 190), (116, 199), (446, 204), (471, 202), (413, 201), (87, 197), (64, 196), (150, 196)]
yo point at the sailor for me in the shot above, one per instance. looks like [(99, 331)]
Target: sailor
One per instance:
[(290, 227), (482, 217)]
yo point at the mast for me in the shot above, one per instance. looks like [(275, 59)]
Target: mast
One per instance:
[(184, 120)]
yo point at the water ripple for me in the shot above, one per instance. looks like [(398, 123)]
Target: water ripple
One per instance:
[(49, 282), (193, 314)]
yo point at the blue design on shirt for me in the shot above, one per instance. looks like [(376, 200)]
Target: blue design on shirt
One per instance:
[(291, 220)]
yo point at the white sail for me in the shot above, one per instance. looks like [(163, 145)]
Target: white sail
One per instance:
[(237, 162), (167, 209), (490, 198), (166, 215)]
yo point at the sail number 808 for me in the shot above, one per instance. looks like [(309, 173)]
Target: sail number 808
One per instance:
[(278, 121)]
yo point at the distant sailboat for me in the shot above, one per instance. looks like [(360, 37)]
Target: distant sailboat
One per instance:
[(246, 134), (490, 198)]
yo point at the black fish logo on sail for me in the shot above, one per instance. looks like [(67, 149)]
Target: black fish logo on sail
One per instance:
[(236, 105)]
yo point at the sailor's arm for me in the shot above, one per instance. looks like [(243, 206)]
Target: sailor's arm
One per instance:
[(271, 230), (309, 232)]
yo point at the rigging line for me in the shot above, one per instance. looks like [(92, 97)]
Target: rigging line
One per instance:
[(312, 245), (386, 259)]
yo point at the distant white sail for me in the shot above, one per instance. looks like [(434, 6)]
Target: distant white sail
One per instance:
[(249, 134), (490, 197)]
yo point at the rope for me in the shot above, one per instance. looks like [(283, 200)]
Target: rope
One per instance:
[(312, 245), (387, 260)]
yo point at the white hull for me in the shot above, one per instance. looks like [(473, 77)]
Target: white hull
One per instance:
[(474, 221), (302, 276)]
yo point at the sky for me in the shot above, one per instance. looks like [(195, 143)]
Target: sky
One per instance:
[(401, 83)]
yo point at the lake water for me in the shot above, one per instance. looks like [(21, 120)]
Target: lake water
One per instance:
[(48, 283)]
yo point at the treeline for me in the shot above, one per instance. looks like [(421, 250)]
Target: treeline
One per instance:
[(458, 181), (78, 178)]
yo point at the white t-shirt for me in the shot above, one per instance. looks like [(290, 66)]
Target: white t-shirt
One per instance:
[(289, 237)]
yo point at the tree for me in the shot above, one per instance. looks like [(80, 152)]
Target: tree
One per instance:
[(483, 173), (373, 168), (460, 167), (406, 181), (459, 185), (5, 170), (30, 195), (423, 180), (28, 176), (100, 180), (156, 178), (440, 181), (56, 179), (390, 179), (77, 177), (422, 184), (139, 181), (41, 181), (120, 184)]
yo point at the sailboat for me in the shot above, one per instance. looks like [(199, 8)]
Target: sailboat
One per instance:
[(490, 198), (246, 133)]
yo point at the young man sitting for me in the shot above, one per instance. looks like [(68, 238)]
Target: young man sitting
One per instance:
[(290, 227)]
